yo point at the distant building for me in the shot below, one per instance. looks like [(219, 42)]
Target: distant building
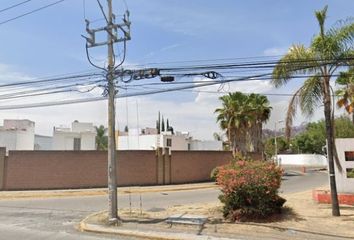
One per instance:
[(43, 142), (81, 136), (17, 134), (148, 139)]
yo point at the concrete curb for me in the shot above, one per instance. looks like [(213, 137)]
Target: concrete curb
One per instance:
[(94, 228), (11, 195)]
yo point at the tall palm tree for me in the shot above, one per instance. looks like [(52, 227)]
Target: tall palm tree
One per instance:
[(101, 138), (328, 51), (226, 119), (261, 111)]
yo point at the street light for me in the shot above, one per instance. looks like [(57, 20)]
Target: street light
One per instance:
[(275, 140)]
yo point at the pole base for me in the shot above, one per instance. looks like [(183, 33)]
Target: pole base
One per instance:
[(115, 221)]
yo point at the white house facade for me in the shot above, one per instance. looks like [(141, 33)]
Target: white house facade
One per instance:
[(81, 136), (17, 134), (141, 139)]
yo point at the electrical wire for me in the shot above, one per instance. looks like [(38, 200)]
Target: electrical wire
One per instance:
[(64, 78), (194, 84), (30, 12), (102, 10), (34, 92), (13, 6)]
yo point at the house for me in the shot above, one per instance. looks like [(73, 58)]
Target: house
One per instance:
[(81, 136), (149, 139), (42, 142), (17, 134)]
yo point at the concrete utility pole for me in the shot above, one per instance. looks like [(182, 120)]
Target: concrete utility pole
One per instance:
[(112, 37), (275, 141), (112, 178)]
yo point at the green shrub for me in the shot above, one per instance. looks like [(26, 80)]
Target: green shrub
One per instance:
[(214, 173), (250, 190)]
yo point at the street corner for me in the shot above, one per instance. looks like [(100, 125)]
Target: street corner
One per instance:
[(98, 223)]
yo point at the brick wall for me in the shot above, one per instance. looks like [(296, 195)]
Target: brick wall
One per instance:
[(23, 170), (2, 166), (75, 169), (195, 166)]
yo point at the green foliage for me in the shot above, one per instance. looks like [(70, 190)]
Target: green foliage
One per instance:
[(346, 92), (350, 174), (269, 146), (101, 138), (250, 190), (214, 173), (335, 43), (344, 128), (242, 115), (314, 138)]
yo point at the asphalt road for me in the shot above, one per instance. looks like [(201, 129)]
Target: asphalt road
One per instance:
[(55, 218)]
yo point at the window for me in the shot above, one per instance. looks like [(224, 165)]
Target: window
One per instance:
[(77, 144), (169, 142), (349, 156), (350, 173)]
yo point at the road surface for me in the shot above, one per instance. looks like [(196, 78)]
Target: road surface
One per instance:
[(55, 218)]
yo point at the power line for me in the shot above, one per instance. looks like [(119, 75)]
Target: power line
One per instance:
[(33, 11), (64, 78), (13, 6), (154, 91), (46, 104), (48, 90)]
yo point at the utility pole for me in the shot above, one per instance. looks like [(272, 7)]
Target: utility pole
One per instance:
[(112, 37), (275, 141), (112, 178)]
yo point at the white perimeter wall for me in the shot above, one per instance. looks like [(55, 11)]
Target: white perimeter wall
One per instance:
[(344, 184), (206, 145), (303, 159)]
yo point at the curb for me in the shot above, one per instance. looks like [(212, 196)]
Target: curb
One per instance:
[(94, 228), (11, 195)]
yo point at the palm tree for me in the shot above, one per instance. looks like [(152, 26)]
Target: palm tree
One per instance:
[(346, 93), (101, 138), (234, 117), (261, 112), (328, 51)]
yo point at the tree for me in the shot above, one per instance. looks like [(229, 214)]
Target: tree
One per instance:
[(101, 138), (162, 124), (346, 93), (242, 116), (313, 139), (327, 52), (221, 137), (269, 146), (261, 111), (234, 117), (158, 124)]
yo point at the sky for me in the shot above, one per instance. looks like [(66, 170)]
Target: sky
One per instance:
[(49, 43)]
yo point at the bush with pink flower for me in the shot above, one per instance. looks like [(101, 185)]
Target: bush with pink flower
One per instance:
[(250, 189)]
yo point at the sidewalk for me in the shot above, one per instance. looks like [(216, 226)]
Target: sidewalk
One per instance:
[(102, 191), (303, 219)]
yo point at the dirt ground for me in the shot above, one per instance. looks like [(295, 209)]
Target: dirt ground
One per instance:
[(302, 219)]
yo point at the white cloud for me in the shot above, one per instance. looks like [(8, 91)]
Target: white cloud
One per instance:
[(275, 51), (253, 86), (8, 74)]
